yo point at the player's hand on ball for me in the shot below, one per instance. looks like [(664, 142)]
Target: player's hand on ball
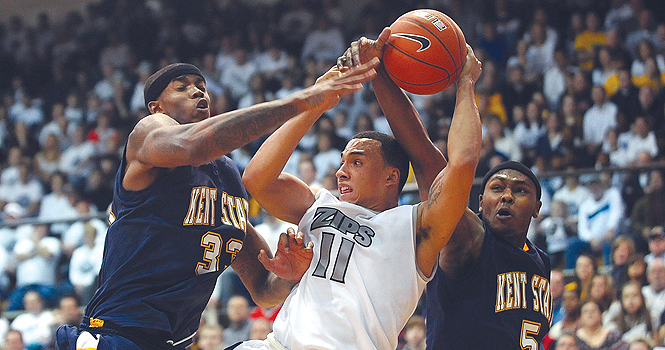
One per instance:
[(363, 50), (472, 66), (292, 257)]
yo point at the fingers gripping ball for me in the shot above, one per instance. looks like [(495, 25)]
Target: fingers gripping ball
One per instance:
[(425, 53)]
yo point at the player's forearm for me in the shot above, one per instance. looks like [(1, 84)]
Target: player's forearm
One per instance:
[(465, 137), (408, 129), (267, 164)]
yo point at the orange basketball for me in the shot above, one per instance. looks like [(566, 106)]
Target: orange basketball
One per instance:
[(425, 52)]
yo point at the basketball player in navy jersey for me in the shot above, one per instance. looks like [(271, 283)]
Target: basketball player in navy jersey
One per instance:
[(491, 287), (372, 258), (179, 215)]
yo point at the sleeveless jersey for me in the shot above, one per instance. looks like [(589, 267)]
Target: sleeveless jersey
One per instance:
[(363, 283), (503, 302), (165, 247)]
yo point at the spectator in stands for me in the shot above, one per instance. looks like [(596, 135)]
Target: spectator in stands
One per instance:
[(644, 31), (649, 210), (623, 253), (654, 292), (517, 91), (14, 340), (210, 337), (327, 157), (598, 220), (633, 319), (47, 159), (414, 334), (26, 112), (76, 160), (568, 341), (540, 53), (261, 327), (650, 106), (237, 310), (37, 256), (35, 323), (588, 40), (602, 292), (529, 129), (324, 43), (585, 269), (571, 318), (56, 204), (102, 134), (68, 312), (626, 99), (58, 126), (594, 334), (656, 245), (85, 263), (556, 228), (238, 73), (600, 118), (74, 236), (503, 139), (604, 72), (548, 143), (573, 194), (557, 287), (642, 139), (27, 192), (554, 80)]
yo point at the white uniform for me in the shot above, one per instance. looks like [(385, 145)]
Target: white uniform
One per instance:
[(363, 283)]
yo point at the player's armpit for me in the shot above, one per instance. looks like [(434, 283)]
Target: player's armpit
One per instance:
[(464, 245)]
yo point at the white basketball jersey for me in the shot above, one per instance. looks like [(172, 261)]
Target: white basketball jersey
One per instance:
[(363, 283)]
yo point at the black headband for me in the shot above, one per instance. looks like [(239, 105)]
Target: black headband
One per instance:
[(515, 166), (157, 82)]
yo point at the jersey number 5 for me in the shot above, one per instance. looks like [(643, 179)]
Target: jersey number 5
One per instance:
[(529, 329), (342, 261), (213, 243)]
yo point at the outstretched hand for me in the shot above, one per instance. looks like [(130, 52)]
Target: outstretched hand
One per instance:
[(292, 258), (472, 66), (363, 50)]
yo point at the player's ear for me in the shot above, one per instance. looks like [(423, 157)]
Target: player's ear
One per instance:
[(155, 107), (480, 203), (393, 176), (536, 211)]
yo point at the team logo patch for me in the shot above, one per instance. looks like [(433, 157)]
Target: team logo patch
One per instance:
[(423, 41)]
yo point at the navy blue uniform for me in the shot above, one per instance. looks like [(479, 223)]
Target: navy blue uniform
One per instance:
[(502, 302), (165, 248)]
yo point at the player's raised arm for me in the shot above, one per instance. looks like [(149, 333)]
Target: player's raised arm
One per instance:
[(449, 194), (284, 195), (194, 139)]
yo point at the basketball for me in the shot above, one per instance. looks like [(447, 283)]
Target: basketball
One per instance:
[(425, 53)]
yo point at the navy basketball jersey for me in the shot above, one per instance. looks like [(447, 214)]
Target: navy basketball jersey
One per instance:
[(502, 302), (165, 247)]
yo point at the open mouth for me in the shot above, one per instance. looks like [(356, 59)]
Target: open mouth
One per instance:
[(504, 213), (344, 190), (203, 104)]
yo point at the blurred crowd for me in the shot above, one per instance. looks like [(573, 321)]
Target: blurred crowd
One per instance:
[(566, 85)]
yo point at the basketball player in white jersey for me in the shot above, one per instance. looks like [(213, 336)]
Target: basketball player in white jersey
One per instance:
[(372, 258)]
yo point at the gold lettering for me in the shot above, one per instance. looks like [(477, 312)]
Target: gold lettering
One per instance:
[(500, 305), (225, 212), (193, 203), (523, 288), (509, 291), (534, 285), (241, 210)]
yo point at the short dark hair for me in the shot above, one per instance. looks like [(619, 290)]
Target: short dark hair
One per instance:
[(392, 152)]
